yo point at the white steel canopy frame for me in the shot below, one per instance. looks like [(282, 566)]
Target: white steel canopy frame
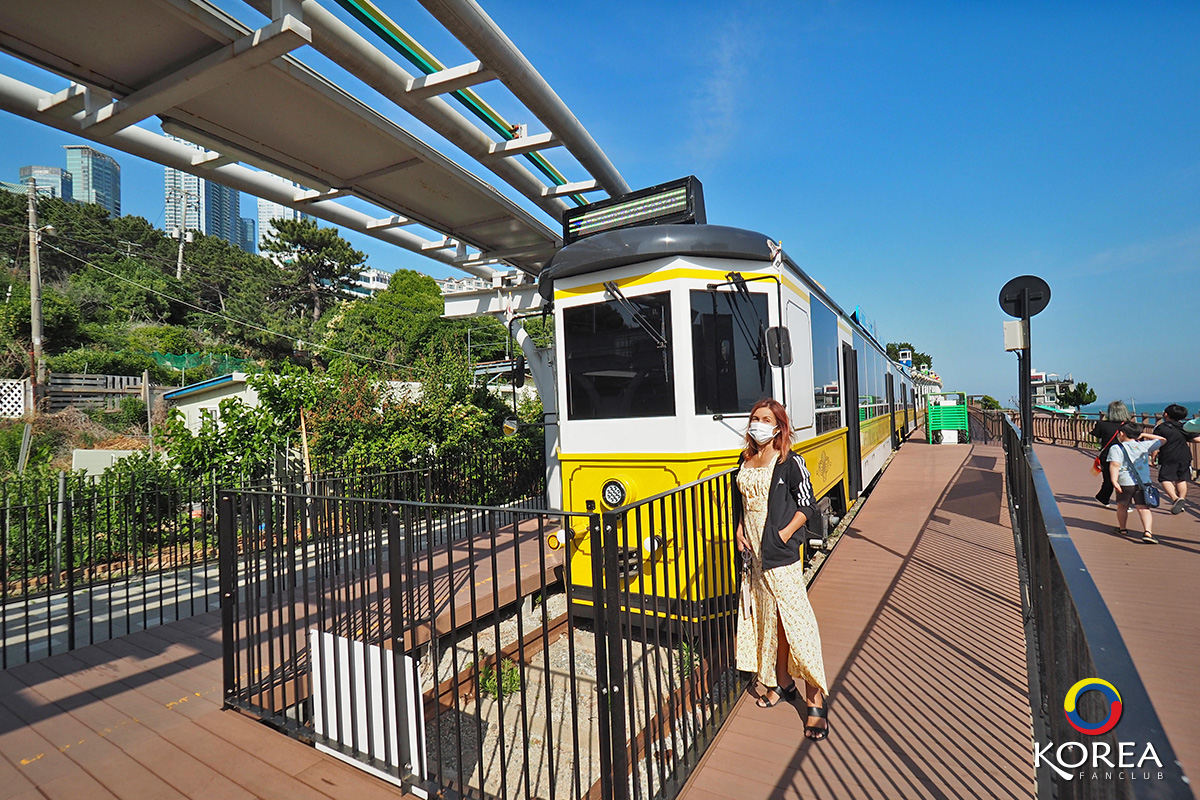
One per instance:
[(235, 92)]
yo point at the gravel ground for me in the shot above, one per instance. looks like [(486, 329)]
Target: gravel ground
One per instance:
[(491, 744)]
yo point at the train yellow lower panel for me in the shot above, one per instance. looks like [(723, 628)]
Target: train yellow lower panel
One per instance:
[(675, 556)]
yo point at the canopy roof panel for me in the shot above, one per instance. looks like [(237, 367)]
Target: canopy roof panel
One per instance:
[(236, 92)]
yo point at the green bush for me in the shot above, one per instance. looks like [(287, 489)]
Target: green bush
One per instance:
[(106, 362), (688, 659), (131, 415), (164, 339), (41, 447)]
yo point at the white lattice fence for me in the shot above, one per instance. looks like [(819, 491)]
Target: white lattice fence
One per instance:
[(12, 398)]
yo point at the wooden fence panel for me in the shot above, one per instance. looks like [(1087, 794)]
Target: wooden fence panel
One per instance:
[(64, 390)]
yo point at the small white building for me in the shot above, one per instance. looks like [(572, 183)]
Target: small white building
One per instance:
[(203, 400), (1047, 387), (370, 282)]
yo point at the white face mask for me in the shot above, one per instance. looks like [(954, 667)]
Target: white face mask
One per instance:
[(761, 432)]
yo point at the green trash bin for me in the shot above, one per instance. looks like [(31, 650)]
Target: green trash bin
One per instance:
[(946, 411)]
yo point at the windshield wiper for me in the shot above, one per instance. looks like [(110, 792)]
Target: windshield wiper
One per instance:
[(632, 310), (742, 293)]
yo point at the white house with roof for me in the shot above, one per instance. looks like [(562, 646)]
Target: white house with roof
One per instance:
[(203, 400)]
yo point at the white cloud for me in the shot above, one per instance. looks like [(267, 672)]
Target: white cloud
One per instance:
[(720, 101), (1169, 255)]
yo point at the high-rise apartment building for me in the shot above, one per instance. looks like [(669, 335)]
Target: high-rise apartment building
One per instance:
[(246, 238), (95, 177), (56, 180), (268, 210), (197, 204)]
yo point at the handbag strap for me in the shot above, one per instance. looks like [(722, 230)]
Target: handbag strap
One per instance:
[(1132, 467)]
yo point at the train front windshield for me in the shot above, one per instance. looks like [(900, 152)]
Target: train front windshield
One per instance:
[(619, 358), (729, 355)]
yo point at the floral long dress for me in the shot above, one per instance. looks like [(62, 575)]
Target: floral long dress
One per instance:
[(765, 592)]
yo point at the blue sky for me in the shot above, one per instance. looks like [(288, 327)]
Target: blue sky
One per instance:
[(912, 157)]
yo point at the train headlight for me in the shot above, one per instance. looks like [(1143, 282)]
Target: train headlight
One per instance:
[(557, 540), (651, 545), (613, 493)]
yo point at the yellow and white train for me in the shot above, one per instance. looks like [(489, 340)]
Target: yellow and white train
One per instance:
[(666, 334)]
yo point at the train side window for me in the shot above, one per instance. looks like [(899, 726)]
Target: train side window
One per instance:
[(729, 351), (619, 358), (865, 401), (826, 351)]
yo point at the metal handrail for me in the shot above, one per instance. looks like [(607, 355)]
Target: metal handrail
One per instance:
[(1075, 637)]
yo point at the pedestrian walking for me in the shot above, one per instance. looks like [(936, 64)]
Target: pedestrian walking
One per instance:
[(1129, 470), (777, 636), (1105, 432), (1175, 456)]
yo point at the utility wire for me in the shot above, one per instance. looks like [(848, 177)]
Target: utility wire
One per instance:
[(145, 256), (141, 255), (222, 315)]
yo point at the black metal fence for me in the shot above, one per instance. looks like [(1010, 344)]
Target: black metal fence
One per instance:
[(667, 586), (1076, 638), (434, 643), (1074, 431), (95, 561), (95, 558), (450, 648)]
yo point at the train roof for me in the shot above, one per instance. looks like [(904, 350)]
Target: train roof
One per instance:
[(628, 245), (623, 246)]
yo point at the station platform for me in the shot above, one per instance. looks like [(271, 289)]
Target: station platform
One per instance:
[(921, 622), (140, 717), (920, 615), (1150, 590)]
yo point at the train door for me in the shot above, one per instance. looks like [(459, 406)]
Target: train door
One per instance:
[(853, 440), (800, 373), (904, 402), (890, 382)]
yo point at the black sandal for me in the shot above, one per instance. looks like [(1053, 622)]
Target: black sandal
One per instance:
[(781, 694), (812, 731)]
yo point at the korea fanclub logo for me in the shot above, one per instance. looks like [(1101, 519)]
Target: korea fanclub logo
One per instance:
[(1096, 760)]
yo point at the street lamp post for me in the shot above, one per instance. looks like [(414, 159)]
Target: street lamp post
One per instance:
[(1022, 298)]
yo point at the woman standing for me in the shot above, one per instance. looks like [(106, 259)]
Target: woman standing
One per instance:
[(777, 636), (1106, 431)]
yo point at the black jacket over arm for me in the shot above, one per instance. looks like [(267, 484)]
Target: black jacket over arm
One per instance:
[(791, 491)]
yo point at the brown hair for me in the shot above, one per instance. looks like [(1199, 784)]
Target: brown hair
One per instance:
[(783, 436)]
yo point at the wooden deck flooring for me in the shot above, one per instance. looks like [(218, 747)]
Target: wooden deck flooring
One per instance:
[(1149, 589), (140, 717), (921, 625), (920, 618)]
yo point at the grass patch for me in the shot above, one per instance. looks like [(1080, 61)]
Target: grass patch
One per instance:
[(498, 683)]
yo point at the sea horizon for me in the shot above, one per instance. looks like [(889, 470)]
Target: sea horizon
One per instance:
[(1144, 406)]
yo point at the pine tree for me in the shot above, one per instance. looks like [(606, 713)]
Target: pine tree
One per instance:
[(320, 265)]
